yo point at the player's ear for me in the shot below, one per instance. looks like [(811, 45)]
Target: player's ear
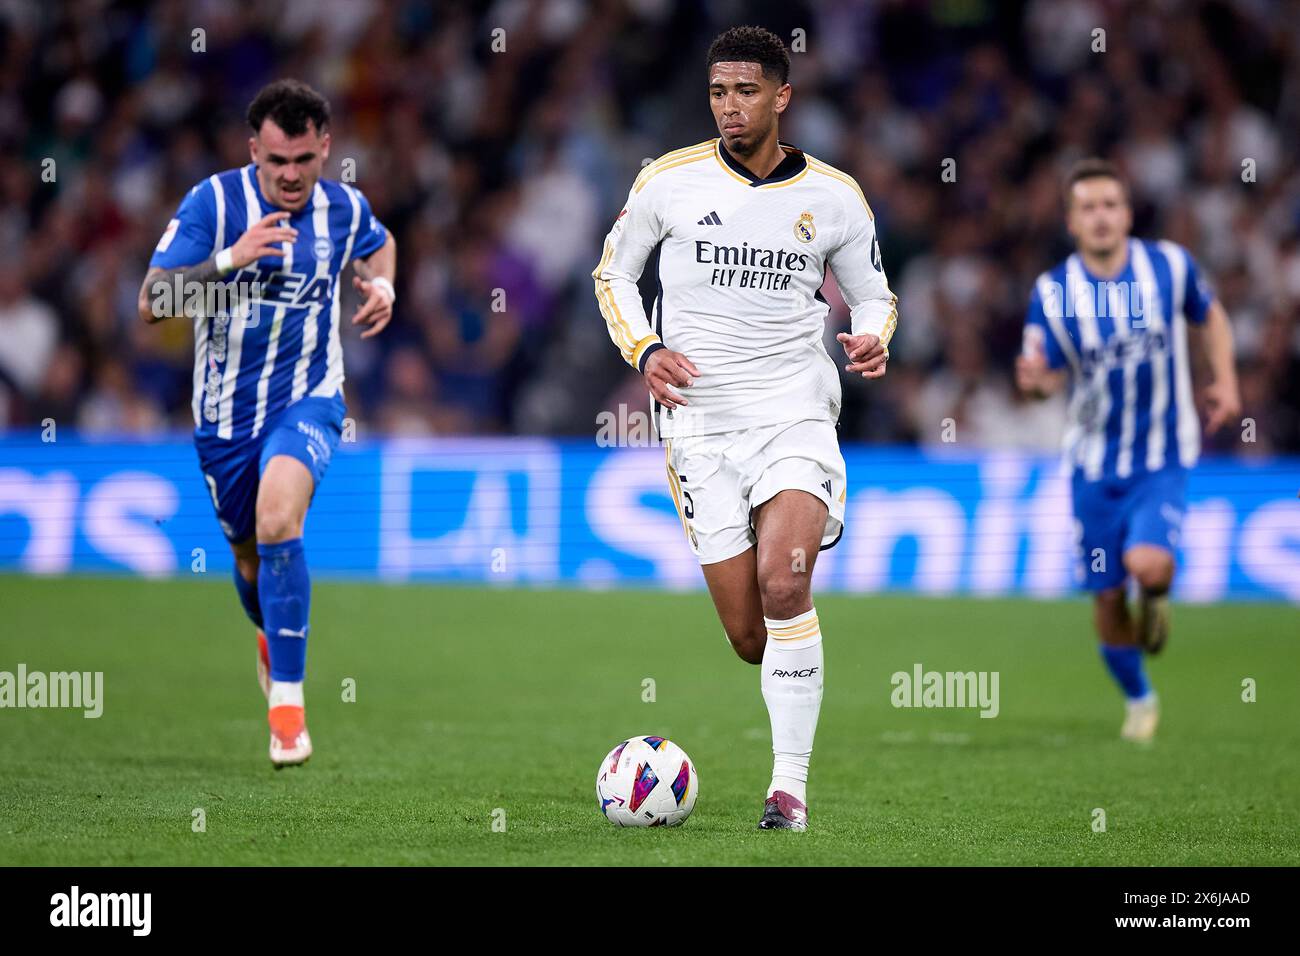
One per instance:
[(325, 146), (783, 97), (252, 149)]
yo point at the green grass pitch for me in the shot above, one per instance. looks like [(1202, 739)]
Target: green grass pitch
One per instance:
[(474, 699)]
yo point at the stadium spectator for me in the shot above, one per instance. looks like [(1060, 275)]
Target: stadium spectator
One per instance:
[(500, 170), (29, 332)]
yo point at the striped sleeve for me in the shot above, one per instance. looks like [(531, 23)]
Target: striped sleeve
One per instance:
[(1039, 335), (370, 232), (191, 234), (635, 232), (860, 274), (1197, 294)]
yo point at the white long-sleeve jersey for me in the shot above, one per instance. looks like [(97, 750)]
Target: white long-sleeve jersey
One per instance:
[(740, 266)]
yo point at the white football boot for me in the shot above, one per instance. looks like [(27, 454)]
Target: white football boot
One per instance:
[(290, 742), (1140, 719)]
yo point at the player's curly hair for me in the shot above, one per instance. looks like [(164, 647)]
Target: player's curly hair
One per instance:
[(752, 45), (291, 105)]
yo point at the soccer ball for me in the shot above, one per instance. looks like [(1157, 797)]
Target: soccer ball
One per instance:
[(646, 782)]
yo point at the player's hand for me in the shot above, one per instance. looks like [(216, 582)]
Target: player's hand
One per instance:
[(1222, 405), (377, 310), (1032, 373), (263, 239), (664, 368), (866, 355)]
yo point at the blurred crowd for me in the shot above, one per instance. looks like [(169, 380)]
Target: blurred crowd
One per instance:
[(498, 140)]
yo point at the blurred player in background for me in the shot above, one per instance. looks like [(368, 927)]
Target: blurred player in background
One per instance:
[(746, 227), (1115, 318), (268, 373)]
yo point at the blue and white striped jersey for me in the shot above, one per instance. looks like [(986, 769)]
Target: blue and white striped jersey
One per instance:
[(1124, 340), (283, 344)]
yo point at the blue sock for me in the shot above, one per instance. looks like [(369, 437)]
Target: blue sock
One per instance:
[(1126, 666), (285, 592), (248, 597)]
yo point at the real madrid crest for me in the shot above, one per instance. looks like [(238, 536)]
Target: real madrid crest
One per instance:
[(804, 230)]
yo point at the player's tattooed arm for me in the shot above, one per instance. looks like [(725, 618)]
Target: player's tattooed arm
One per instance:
[(374, 280), (158, 299), (164, 292)]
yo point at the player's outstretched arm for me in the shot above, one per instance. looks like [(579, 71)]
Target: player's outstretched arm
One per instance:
[(1035, 378), (1221, 395), (1041, 369), (157, 299), (374, 280)]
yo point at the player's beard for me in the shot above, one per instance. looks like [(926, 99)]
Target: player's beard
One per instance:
[(747, 143)]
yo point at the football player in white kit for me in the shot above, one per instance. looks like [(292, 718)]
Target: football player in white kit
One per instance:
[(746, 397)]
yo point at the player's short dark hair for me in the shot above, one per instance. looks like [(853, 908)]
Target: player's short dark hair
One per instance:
[(291, 105), (1092, 168), (752, 45)]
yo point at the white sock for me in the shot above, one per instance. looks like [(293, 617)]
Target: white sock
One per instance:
[(792, 687), (284, 693), (1145, 700)]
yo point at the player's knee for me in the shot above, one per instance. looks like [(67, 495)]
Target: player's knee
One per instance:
[(748, 642), (784, 595), (1153, 570), (277, 521)]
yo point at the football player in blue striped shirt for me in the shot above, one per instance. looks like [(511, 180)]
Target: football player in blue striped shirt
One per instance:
[(254, 256), (1121, 318)]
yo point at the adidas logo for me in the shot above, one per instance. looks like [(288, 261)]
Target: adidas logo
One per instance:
[(710, 220), (827, 485)]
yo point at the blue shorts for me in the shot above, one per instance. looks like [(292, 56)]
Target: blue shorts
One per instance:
[(1112, 515), (308, 430)]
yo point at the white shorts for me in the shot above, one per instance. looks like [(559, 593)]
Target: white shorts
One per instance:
[(718, 480)]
